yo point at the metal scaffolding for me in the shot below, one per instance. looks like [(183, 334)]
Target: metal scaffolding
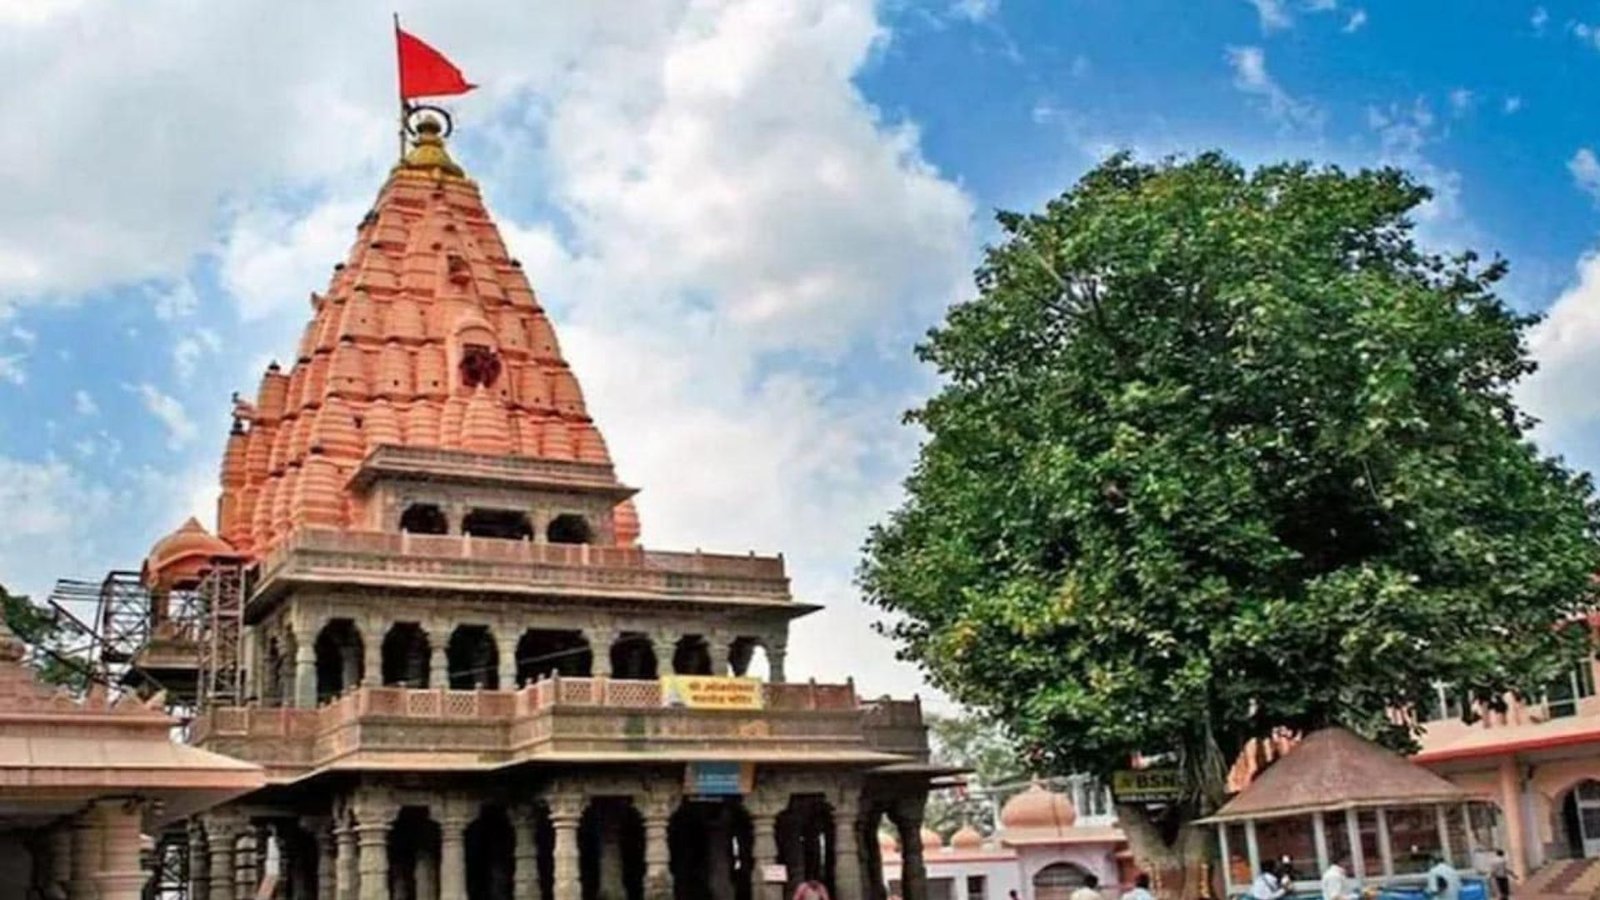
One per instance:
[(222, 675)]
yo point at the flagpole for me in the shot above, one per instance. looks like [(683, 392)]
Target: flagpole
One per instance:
[(399, 85)]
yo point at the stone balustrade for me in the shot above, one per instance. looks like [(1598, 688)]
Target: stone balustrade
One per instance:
[(463, 559), (560, 718)]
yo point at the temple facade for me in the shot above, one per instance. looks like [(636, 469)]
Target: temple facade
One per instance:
[(426, 614)]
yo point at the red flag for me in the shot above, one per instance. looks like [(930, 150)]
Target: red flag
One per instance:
[(424, 72)]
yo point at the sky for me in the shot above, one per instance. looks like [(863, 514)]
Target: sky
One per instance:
[(741, 215)]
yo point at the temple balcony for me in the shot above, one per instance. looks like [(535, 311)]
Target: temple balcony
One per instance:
[(561, 720), (392, 560)]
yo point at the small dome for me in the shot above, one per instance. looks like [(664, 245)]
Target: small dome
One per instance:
[(887, 843), (625, 521), (1037, 807), (179, 558), (967, 838), (931, 840)]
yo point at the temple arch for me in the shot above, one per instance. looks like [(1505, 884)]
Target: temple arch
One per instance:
[(489, 847), (1058, 880), (710, 849), (339, 658), (632, 657), (611, 850), (474, 662), (405, 656), (541, 653), (569, 528), (502, 524), (424, 518), (748, 658), (693, 656)]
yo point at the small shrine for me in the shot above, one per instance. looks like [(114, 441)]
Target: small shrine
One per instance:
[(1336, 797)]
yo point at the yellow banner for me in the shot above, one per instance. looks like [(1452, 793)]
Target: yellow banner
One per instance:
[(710, 692), (1146, 785)]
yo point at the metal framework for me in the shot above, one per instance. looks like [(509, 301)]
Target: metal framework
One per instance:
[(169, 867), (221, 598)]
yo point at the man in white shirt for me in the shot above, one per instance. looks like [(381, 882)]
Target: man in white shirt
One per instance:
[(1444, 882), (1266, 886), (1336, 882), (1141, 889)]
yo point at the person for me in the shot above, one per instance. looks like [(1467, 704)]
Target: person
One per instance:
[(1500, 874), (1013, 895), (1336, 882), (1267, 886), (1089, 891), (1140, 889), (1444, 882)]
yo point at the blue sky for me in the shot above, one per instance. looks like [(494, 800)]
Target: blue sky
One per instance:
[(742, 215)]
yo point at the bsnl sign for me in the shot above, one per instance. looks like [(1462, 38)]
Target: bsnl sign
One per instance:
[(1146, 786)]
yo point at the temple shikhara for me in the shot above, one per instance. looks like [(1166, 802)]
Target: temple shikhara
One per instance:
[(425, 614)]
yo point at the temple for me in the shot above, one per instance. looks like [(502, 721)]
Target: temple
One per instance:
[(426, 615)]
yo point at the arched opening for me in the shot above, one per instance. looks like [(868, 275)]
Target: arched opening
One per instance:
[(710, 846), (474, 662), (569, 528), (1057, 881), (692, 656), (339, 651), (804, 832), (489, 844), (611, 850), (502, 524), (1580, 820), (633, 658), (542, 653), (405, 656), (748, 659), (413, 855), (424, 518)]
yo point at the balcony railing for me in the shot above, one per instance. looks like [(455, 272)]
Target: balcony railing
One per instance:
[(435, 462), (463, 558), (556, 716)]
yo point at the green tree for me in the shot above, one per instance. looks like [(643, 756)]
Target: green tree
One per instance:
[(1218, 451), (39, 629), (977, 744)]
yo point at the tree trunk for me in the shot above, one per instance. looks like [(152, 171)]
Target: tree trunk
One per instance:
[(1178, 870)]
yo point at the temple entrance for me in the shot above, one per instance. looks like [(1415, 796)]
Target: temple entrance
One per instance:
[(805, 842), (405, 656), (413, 856), (489, 843), (633, 658), (1057, 881), (611, 850), (710, 846), (1580, 816), (473, 660), (338, 649)]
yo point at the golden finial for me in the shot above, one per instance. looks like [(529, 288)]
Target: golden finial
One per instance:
[(427, 149)]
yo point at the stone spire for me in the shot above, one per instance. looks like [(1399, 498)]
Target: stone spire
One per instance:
[(428, 335)]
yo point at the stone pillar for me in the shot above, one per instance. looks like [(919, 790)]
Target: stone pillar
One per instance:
[(427, 875), (439, 655), (657, 811), (847, 848), (60, 874), (525, 854), (305, 675), (506, 648), (913, 870), (717, 649), (600, 641), (221, 836), (453, 820), (247, 865), (372, 655), (665, 646), (764, 846), (374, 817), (120, 875), (566, 810), (345, 874), (86, 858), (322, 840), (776, 651)]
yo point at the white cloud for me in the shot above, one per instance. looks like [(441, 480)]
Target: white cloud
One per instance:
[(1461, 101), (1250, 76), (1512, 104), (11, 369), (186, 352), (974, 10), (48, 505), (1561, 392), (273, 258), (83, 403), (1585, 169), (169, 411), (1404, 134), (175, 301), (1539, 19), (1358, 19), (24, 336), (1272, 14)]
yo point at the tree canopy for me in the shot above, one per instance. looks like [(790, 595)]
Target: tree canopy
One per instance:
[(1218, 451), (974, 743)]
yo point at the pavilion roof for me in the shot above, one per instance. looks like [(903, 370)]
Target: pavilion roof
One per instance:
[(1336, 769)]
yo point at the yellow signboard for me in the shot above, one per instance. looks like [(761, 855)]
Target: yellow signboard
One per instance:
[(710, 692), (1146, 785)]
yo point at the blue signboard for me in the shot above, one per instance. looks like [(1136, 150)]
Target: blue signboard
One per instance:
[(715, 779)]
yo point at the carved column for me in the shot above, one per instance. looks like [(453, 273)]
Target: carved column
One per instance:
[(345, 874), (86, 858), (305, 675), (764, 810), (318, 828), (600, 641), (525, 854), (199, 862), (565, 812), (439, 655), (59, 874), (777, 649), (222, 833), (657, 810), (506, 649), (717, 649), (907, 816), (374, 817), (426, 874), (847, 847), (453, 820), (372, 636), (120, 875), (665, 646)]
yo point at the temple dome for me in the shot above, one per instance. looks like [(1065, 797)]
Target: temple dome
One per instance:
[(887, 845), (1038, 807), (931, 840), (966, 838), (180, 557)]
